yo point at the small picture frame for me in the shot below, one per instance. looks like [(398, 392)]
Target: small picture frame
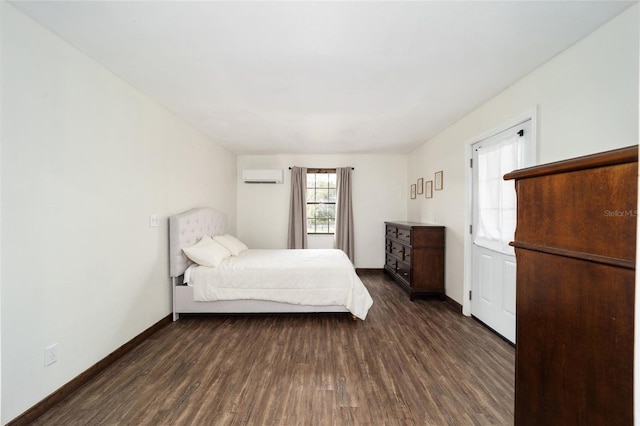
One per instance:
[(438, 181), (413, 191), (420, 186), (428, 189)]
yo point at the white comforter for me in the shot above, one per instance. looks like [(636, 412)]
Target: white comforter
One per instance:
[(301, 277)]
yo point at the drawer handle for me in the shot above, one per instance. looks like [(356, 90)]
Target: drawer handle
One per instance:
[(406, 274)]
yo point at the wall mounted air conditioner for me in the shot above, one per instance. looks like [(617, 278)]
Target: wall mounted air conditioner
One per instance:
[(262, 176)]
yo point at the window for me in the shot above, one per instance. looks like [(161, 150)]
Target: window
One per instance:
[(321, 201)]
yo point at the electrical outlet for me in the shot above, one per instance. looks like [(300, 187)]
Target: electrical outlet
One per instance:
[(50, 354)]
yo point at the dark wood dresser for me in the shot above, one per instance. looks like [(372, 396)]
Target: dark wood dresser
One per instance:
[(575, 247), (414, 257)]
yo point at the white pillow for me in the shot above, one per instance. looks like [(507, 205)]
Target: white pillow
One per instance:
[(207, 252), (231, 243)]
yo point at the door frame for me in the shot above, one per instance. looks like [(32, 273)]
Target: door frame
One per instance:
[(530, 114)]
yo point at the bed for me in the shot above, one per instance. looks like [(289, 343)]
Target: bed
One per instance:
[(258, 281)]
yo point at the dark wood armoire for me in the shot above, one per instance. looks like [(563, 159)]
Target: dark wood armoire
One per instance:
[(575, 245)]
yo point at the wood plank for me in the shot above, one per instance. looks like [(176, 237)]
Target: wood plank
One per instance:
[(408, 363)]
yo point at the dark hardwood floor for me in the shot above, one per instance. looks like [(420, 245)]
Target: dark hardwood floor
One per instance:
[(409, 363)]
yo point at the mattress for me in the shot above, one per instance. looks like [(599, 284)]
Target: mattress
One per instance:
[(299, 277)]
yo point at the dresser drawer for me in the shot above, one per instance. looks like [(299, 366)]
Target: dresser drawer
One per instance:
[(391, 262), (404, 272), (406, 255), (546, 201), (404, 235), (397, 249), (392, 232)]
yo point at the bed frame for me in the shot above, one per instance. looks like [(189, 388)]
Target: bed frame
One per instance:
[(185, 229)]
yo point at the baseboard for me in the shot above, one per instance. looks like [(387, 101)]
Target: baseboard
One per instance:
[(43, 406), (368, 270), (453, 304)]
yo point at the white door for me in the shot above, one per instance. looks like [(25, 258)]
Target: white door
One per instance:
[(493, 288)]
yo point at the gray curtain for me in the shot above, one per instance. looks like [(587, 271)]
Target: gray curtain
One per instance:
[(344, 212), (298, 209)]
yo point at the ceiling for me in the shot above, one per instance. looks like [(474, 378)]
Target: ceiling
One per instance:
[(321, 77)]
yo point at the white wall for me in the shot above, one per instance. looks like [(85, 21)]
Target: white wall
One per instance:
[(587, 102), (379, 194), (85, 159)]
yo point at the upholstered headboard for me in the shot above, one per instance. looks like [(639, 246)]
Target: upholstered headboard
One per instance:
[(186, 229)]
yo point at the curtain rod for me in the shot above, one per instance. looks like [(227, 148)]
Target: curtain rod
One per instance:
[(318, 168)]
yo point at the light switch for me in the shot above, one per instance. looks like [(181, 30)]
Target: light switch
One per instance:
[(154, 220)]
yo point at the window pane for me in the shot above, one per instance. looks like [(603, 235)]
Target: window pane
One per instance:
[(311, 195), (332, 180), (311, 226), (325, 211), (311, 180), (311, 187), (332, 195), (322, 195), (311, 211), (332, 226), (322, 180), (322, 227), (331, 210)]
